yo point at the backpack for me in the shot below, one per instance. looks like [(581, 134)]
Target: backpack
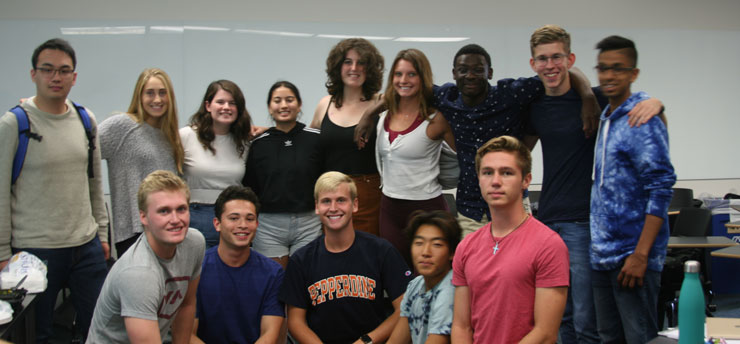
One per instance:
[(24, 134)]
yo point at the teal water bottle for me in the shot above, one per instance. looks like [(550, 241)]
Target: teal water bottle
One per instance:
[(691, 315)]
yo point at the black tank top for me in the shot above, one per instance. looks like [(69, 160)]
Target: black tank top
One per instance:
[(340, 151)]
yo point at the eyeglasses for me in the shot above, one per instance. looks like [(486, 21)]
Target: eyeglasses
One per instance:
[(541, 60), (615, 69), (47, 72), (480, 71)]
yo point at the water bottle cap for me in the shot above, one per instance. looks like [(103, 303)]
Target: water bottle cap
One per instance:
[(691, 266)]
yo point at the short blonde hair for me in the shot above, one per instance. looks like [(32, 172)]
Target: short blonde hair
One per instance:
[(550, 34), (507, 144), (330, 181), (160, 180)]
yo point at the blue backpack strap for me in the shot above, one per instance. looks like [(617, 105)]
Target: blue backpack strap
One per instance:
[(85, 118), (23, 131)]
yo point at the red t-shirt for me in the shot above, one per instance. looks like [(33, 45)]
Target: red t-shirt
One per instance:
[(502, 285)]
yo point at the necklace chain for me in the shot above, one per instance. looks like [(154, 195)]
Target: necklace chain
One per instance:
[(496, 248)]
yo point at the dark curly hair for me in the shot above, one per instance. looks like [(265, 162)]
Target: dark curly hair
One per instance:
[(202, 122), (369, 56)]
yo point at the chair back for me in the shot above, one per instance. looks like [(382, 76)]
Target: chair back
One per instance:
[(693, 222), (681, 198)]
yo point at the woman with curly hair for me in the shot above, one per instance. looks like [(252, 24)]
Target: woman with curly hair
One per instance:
[(354, 71), (216, 143), (137, 143)]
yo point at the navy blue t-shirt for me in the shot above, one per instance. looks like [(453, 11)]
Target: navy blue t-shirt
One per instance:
[(231, 301), (568, 157)]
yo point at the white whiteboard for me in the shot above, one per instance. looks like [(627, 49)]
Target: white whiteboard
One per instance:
[(694, 72)]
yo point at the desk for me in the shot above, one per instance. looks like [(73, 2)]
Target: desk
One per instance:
[(700, 242), (733, 227), (22, 328), (728, 252)]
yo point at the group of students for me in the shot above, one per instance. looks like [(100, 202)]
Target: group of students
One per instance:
[(509, 279)]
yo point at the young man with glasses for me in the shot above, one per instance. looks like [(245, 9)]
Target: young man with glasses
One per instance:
[(568, 157), (629, 202), (55, 210)]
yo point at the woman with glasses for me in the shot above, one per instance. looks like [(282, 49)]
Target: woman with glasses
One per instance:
[(137, 143), (216, 143), (283, 165), (409, 135), (354, 70)]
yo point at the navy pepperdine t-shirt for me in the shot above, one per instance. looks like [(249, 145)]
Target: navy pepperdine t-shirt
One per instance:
[(568, 157), (343, 292)]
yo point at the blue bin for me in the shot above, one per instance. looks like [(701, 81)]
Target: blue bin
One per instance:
[(725, 271)]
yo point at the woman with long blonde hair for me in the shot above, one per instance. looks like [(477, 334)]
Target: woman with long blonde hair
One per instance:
[(136, 143)]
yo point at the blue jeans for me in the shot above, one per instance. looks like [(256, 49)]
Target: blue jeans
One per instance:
[(626, 315), (201, 218), (579, 319), (83, 270)]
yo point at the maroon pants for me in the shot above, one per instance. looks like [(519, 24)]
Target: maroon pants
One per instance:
[(394, 217)]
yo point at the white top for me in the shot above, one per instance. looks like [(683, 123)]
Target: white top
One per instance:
[(409, 166), (208, 174)]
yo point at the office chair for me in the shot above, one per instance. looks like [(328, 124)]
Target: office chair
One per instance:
[(682, 198), (690, 222)]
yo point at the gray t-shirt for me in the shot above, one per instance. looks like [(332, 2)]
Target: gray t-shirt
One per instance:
[(142, 285)]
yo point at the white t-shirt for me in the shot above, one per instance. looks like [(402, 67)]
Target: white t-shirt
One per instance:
[(208, 174)]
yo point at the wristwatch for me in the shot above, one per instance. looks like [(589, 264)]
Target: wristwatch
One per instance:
[(366, 339)]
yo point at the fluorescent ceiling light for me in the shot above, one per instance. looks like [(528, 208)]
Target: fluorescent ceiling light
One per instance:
[(370, 38), (431, 39), (277, 33), (206, 28), (167, 28), (104, 30)]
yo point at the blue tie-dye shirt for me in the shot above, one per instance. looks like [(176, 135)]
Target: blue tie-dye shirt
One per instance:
[(428, 311), (633, 177)]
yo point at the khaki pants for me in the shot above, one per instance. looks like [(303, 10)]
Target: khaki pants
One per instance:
[(469, 225)]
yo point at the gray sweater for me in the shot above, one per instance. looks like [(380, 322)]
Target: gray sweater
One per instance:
[(132, 150), (53, 204)]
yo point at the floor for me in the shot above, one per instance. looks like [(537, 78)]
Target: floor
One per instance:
[(728, 306)]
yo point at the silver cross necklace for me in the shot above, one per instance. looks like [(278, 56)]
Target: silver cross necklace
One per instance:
[(497, 248)]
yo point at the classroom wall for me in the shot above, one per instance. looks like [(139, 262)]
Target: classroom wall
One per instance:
[(687, 53)]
